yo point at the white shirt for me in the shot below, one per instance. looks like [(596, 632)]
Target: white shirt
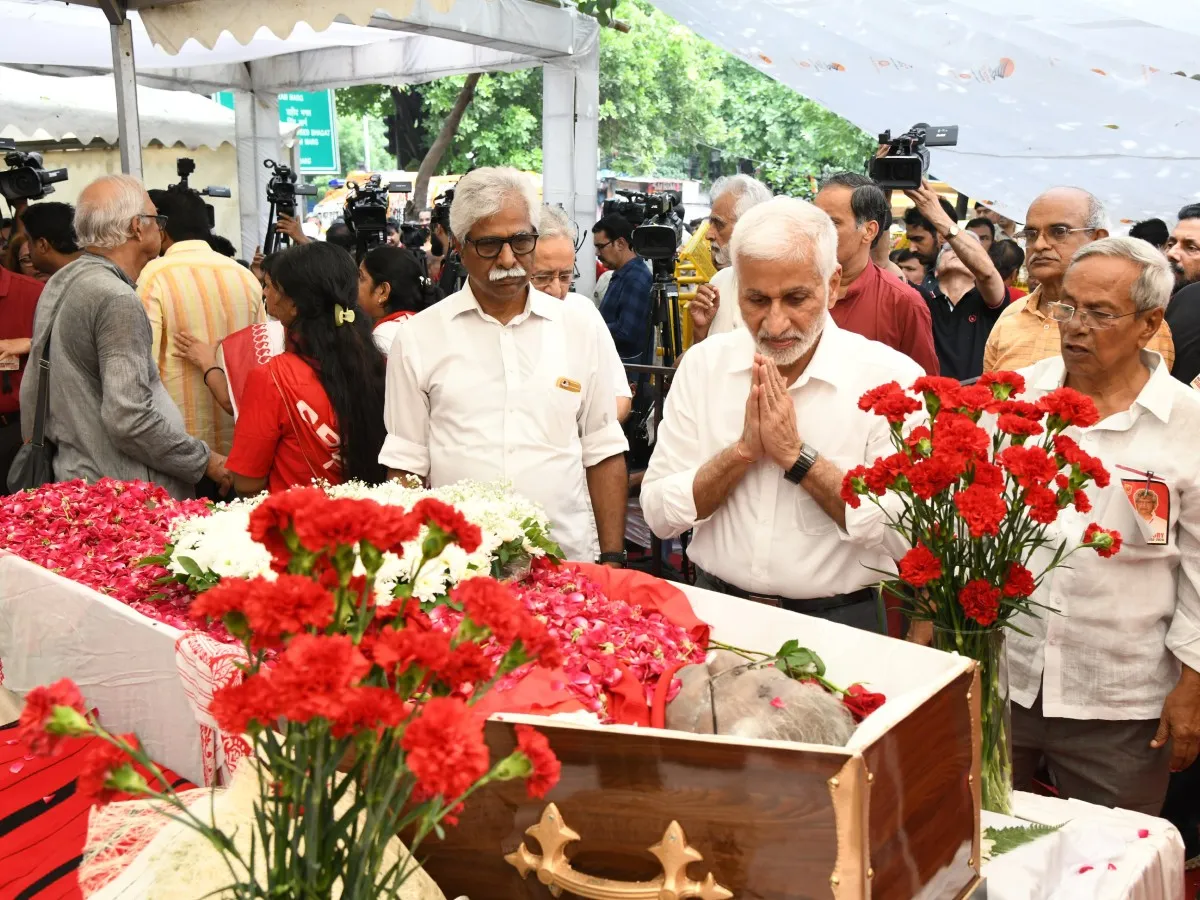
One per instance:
[(729, 314), (770, 536), (1123, 625), (530, 402), (604, 336), (384, 333)]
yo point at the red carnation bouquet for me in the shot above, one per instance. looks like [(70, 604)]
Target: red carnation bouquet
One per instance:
[(362, 718), (975, 505)]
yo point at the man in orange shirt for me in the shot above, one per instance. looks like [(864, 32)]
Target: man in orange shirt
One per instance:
[(1058, 223)]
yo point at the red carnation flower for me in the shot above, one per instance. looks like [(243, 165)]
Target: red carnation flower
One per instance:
[(982, 509), (540, 644), (920, 441), (339, 522), (853, 484), (468, 664), (1018, 426), (101, 763), (1002, 384), (919, 566), (1031, 466), (391, 528), (890, 401), (312, 676), (988, 475), (861, 702), (445, 748), (1067, 450), (975, 399), (286, 606), (398, 649), (277, 514), (237, 708), (944, 389), (1104, 541), (1082, 503), (1042, 503), (546, 767), (229, 596), (980, 600), (1018, 582), (884, 473), (956, 433), (449, 520), (491, 605), (38, 717), (934, 475), (1067, 408), (369, 708)]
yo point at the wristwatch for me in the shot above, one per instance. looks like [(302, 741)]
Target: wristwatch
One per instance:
[(614, 556), (808, 458), (952, 232)]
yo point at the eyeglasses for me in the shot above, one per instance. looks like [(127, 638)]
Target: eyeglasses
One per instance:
[(599, 247), (545, 279), (522, 244), (160, 221), (1055, 234), (1062, 313)]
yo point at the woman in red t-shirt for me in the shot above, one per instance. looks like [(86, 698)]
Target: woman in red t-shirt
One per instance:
[(314, 411), (392, 285)]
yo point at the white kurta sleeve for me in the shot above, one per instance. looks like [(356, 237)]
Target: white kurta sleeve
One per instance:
[(1183, 637), (405, 409), (600, 432), (668, 500)]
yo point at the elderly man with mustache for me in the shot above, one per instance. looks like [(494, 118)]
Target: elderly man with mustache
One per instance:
[(502, 382), (1058, 223), (762, 423)]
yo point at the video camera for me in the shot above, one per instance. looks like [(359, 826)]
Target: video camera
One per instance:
[(184, 167), (282, 191), (454, 275), (367, 211), (657, 228), (907, 159), (440, 214), (26, 178)]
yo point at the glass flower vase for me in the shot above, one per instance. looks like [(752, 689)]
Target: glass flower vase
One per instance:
[(988, 649)]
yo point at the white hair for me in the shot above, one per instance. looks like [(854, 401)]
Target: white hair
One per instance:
[(555, 224), (485, 192), (749, 192), (1154, 284), (786, 229), (946, 248), (103, 217)]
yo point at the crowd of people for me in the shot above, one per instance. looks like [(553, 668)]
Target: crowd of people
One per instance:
[(176, 364)]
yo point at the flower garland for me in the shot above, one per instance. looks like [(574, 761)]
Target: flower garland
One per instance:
[(203, 549)]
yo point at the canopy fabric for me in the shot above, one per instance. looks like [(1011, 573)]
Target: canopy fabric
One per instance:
[(1071, 92), (47, 108)]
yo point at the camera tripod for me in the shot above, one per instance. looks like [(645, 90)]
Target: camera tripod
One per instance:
[(666, 329), (276, 240)]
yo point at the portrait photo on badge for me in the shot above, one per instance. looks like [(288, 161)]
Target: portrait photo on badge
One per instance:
[(1151, 502)]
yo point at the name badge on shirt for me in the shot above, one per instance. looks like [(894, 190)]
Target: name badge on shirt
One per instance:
[(12, 363), (1151, 501), (568, 385)]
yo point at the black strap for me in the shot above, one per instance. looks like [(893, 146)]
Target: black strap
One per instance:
[(43, 393)]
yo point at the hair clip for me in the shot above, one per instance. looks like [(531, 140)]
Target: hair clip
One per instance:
[(342, 315)]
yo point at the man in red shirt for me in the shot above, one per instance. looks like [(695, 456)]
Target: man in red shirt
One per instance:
[(872, 302), (18, 300)]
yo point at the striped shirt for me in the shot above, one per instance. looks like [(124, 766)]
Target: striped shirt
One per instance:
[(1023, 336), (193, 288)]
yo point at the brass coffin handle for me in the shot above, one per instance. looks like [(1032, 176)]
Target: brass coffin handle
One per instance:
[(554, 869)]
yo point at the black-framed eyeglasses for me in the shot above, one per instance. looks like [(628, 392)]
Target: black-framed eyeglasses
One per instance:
[(1055, 233), (600, 247), (160, 221), (545, 279), (1062, 313), (522, 244)]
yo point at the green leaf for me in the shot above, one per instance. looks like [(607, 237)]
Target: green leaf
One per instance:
[(190, 566), (1006, 839)]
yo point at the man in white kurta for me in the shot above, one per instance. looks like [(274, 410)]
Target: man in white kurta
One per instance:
[(762, 423), (500, 381)]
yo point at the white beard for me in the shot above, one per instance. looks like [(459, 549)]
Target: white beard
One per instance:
[(805, 341), (720, 256)]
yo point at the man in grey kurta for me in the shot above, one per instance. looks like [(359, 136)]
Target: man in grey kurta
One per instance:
[(109, 414)]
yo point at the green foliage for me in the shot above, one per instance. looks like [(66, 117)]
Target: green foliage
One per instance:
[(1006, 839), (501, 127), (350, 144), (799, 662)]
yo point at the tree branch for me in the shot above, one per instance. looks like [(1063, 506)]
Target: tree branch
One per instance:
[(442, 143)]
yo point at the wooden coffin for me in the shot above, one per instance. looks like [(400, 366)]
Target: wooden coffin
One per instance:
[(895, 814)]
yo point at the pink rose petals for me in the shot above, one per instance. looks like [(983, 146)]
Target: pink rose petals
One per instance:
[(16, 767), (1143, 832), (1084, 869), (778, 703), (598, 635), (97, 534)]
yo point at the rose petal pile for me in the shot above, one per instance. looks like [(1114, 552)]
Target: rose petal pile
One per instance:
[(97, 535)]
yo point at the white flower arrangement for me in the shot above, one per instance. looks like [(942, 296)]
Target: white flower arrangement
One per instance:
[(204, 549)]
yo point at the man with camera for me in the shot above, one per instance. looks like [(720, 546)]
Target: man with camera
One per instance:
[(51, 236), (194, 289), (870, 301), (500, 381), (731, 198), (627, 302)]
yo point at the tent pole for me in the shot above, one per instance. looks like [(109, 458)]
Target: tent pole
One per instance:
[(256, 123), (125, 80)]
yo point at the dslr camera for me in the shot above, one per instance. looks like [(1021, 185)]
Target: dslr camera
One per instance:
[(184, 167), (907, 159), (656, 227), (367, 211), (26, 178)]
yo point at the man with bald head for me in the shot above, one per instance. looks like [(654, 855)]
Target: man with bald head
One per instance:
[(1058, 224), (108, 413)]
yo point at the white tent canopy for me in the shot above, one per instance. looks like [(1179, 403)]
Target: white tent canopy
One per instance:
[(44, 108), (1069, 92), (280, 45)]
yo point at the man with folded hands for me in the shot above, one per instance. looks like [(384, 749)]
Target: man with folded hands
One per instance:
[(762, 423)]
